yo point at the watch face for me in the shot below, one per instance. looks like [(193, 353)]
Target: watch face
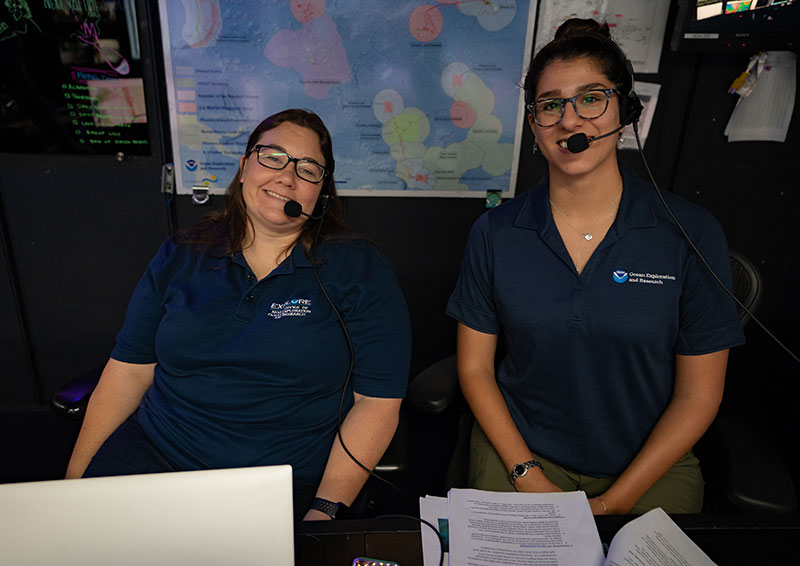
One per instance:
[(519, 470)]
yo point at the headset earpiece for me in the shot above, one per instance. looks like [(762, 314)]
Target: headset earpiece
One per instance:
[(630, 108), (323, 201)]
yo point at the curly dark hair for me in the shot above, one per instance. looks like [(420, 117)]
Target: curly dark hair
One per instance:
[(581, 38), (224, 231)]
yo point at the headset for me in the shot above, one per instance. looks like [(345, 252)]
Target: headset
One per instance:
[(630, 107), (293, 209)]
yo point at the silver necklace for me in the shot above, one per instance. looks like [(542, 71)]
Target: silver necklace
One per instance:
[(588, 235)]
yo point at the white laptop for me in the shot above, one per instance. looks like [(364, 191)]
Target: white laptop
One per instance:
[(235, 516)]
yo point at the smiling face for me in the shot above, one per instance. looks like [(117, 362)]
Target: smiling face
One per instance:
[(563, 79), (265, 191)]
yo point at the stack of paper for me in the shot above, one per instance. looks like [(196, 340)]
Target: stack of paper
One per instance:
[(765, 114), (555, 529)]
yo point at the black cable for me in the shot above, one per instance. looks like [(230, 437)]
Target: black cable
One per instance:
[(697, 251), (349, 369), (439, 536)]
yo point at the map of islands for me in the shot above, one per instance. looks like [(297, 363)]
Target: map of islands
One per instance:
[(419, 98)]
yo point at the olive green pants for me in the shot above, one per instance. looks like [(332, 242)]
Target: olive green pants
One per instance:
[(680, 490)]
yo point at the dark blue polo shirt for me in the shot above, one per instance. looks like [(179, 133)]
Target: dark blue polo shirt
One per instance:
[(590, 360), (251, 372)]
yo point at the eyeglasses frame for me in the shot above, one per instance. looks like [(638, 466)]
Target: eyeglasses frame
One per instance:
[(257, 148), (572, 99)]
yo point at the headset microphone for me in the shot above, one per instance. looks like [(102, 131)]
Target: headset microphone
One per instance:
[(294, 209), (577, 143)]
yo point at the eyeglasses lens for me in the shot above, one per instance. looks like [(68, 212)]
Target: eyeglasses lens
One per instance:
[(590, 104), (305, 169)]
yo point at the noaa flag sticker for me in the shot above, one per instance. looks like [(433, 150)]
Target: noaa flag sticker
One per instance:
[(620, 276)]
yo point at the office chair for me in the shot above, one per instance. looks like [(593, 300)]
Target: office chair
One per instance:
[(756, 479)]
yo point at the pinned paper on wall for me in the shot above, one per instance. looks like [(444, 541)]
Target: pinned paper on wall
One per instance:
[(765, 114), (648, 94), (637, 26)]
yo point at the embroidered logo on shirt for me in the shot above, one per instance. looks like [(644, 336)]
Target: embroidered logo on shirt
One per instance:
[(293, 307), (622, 276)]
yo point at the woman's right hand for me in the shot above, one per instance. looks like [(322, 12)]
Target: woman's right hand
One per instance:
[(535, 482)]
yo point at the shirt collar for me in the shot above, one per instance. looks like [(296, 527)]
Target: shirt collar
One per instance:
[(297, 258), (635, 208)]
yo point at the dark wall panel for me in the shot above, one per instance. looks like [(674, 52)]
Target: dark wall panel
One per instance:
[(82, 230), (17, 386), (750, 186)]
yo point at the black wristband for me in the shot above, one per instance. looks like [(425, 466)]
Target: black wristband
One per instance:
[(331, 509)]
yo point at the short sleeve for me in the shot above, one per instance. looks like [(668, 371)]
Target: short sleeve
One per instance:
[(377, 320), (472, 302), (136, 340), (708, 319)]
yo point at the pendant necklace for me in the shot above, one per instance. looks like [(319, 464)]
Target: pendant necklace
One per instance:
[(588, 235)]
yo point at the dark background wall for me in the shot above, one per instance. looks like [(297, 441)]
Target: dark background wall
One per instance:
[(77, 232)]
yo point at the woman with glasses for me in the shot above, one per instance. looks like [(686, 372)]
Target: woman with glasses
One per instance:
[(231, 354), (614, 337)]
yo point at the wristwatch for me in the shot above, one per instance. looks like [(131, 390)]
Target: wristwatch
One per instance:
[(521, 469), (330, 508)]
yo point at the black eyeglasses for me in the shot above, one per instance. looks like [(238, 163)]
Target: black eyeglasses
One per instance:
[(275, 158), (588, 105)]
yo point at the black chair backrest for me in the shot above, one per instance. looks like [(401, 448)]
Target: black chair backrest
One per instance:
[(747, 284)]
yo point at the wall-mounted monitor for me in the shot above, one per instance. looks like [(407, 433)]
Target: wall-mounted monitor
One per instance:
[(737, 25), (72, 78)]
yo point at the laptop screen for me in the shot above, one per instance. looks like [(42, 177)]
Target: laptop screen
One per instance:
[(233, 516)]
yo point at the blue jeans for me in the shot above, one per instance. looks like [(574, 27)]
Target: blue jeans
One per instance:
[(128, 451)]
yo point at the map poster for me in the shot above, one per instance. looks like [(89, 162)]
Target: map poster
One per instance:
[(422, 99)]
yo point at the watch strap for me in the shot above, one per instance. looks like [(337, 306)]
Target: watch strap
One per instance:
[(523, 467), (330, 508)]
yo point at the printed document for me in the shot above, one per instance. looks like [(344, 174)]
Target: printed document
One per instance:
[(548, 529), (522, 528)]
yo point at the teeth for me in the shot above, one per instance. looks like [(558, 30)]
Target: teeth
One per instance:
[(276, 195), (563, 143)]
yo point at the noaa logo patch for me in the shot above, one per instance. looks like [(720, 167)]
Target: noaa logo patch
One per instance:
[(191, 164), (620, 276)]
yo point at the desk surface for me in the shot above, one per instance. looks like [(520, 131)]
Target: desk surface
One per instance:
[(727, 539)]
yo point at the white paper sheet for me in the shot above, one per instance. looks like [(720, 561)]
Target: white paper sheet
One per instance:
[(648, 94), (434, 510), (766, 113), (654, 538), (489, 528), (637, 25)]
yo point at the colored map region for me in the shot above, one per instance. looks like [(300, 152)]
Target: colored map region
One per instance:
[(420, 98)]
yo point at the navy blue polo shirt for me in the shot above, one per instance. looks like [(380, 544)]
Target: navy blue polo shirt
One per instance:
[(589, 364), (251, 372)]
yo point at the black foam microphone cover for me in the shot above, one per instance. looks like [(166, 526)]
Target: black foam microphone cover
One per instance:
[(577, 143), (292, 208)]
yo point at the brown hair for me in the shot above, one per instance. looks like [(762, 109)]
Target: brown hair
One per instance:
[(581, 38), (222, 232)]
